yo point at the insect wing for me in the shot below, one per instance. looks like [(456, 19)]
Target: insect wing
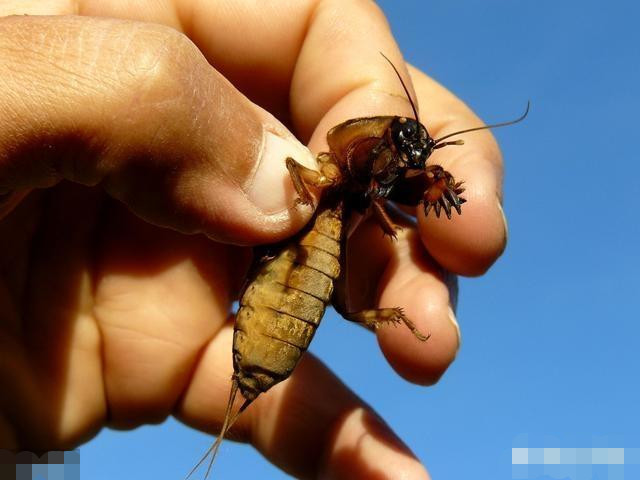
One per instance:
[(342, 136)]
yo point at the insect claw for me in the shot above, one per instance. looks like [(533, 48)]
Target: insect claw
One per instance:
[(397, 316), (451, 196), (437, 207), (446, 206), (401, 317), (391, 235), (304, 201)]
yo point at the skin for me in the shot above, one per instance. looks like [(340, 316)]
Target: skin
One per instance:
[(117, 270)]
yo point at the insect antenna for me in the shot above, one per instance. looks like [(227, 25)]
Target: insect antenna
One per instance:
[(439, 143), (226, 425), (406, 90)]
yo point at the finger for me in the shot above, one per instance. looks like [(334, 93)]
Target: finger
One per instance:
[(399, 273), (311, 426), (159, 298), (325, 52), (470, 243), (53, 299), (138, 110), (328, 66), (340, 73)]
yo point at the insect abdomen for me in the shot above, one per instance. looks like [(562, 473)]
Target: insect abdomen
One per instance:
[(282, 307)]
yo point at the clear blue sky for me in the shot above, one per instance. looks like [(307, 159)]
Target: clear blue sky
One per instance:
[(550, 336)]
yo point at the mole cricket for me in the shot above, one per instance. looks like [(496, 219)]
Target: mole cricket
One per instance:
[(370, 161)]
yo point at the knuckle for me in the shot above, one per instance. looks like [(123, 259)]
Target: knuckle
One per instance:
[(156, 62), (157, 83)]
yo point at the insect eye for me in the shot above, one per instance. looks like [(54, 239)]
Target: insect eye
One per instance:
[(409, 130)]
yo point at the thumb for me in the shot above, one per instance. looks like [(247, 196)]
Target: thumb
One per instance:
[(137, 109)]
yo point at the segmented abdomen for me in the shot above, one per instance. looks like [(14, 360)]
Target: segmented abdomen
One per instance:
[(282, 307)]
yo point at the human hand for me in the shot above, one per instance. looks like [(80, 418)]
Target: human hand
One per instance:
[(108, 319)]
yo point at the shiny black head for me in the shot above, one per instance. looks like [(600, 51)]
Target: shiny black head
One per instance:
[(410, 138), (412, 142)]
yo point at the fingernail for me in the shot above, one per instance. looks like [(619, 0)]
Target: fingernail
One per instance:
[(504, 220), (271, 189), (452, 319)]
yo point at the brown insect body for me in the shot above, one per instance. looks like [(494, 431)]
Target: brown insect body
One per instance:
[(370, 160), (284, 303), (286, 298), (281, 307), (287, 294)]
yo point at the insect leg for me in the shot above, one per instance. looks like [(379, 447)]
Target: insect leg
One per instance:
[(324, 158), (376, 317), (369, 318), (383, 218), (442, 192), (302, 176)]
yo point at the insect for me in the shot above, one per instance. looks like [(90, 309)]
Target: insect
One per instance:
[(370, 161)]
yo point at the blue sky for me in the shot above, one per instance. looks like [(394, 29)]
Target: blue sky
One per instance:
[(550, 335)]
